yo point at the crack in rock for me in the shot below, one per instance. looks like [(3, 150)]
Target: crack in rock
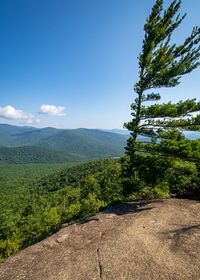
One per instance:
[(100, 265)]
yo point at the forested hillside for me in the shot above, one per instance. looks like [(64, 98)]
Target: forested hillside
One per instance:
[(31, 145), (14, 177), (33, 154), (34, 210)]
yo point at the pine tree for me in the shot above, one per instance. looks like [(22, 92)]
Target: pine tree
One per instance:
[(162, 64)]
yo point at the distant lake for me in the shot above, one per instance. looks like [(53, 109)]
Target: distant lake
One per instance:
[(192, 135)]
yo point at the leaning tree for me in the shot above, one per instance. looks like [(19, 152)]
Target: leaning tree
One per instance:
[(162, 63)]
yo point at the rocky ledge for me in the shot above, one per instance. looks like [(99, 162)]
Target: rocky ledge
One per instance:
[(133, 241)]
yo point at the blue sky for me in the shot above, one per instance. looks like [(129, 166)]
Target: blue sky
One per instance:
[(80, 55)]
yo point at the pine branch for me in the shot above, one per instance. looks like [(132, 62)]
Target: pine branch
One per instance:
[(162, 63)]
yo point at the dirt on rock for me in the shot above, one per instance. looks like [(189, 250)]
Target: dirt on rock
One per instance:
[(133, 241)]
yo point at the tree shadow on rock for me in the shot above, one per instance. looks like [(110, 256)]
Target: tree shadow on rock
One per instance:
[(87, 220), (184, 230), (130, 207), (183, 237)]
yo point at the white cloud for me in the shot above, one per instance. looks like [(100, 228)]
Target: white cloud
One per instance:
[(10, 113), (52, 110)]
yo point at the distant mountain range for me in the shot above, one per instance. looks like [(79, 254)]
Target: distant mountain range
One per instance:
[(50, 145), (116, 130)]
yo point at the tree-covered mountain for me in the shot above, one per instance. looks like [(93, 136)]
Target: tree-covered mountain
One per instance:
[(51, 145), (33, 154), (8, 133), (33, 137), (86, 143)]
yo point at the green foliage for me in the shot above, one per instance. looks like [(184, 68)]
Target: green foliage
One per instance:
[(162, 191), (162, 64), (8, 247), (110, 182), (161, 176), (91, 205), (72, 212), (36, 210), (170, 110), (173, 143), (89, 186), (184, 178), (31, 154), (169, 163), (14, 177)]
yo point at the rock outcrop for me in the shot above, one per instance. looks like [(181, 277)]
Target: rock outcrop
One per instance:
[(156, 241)]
